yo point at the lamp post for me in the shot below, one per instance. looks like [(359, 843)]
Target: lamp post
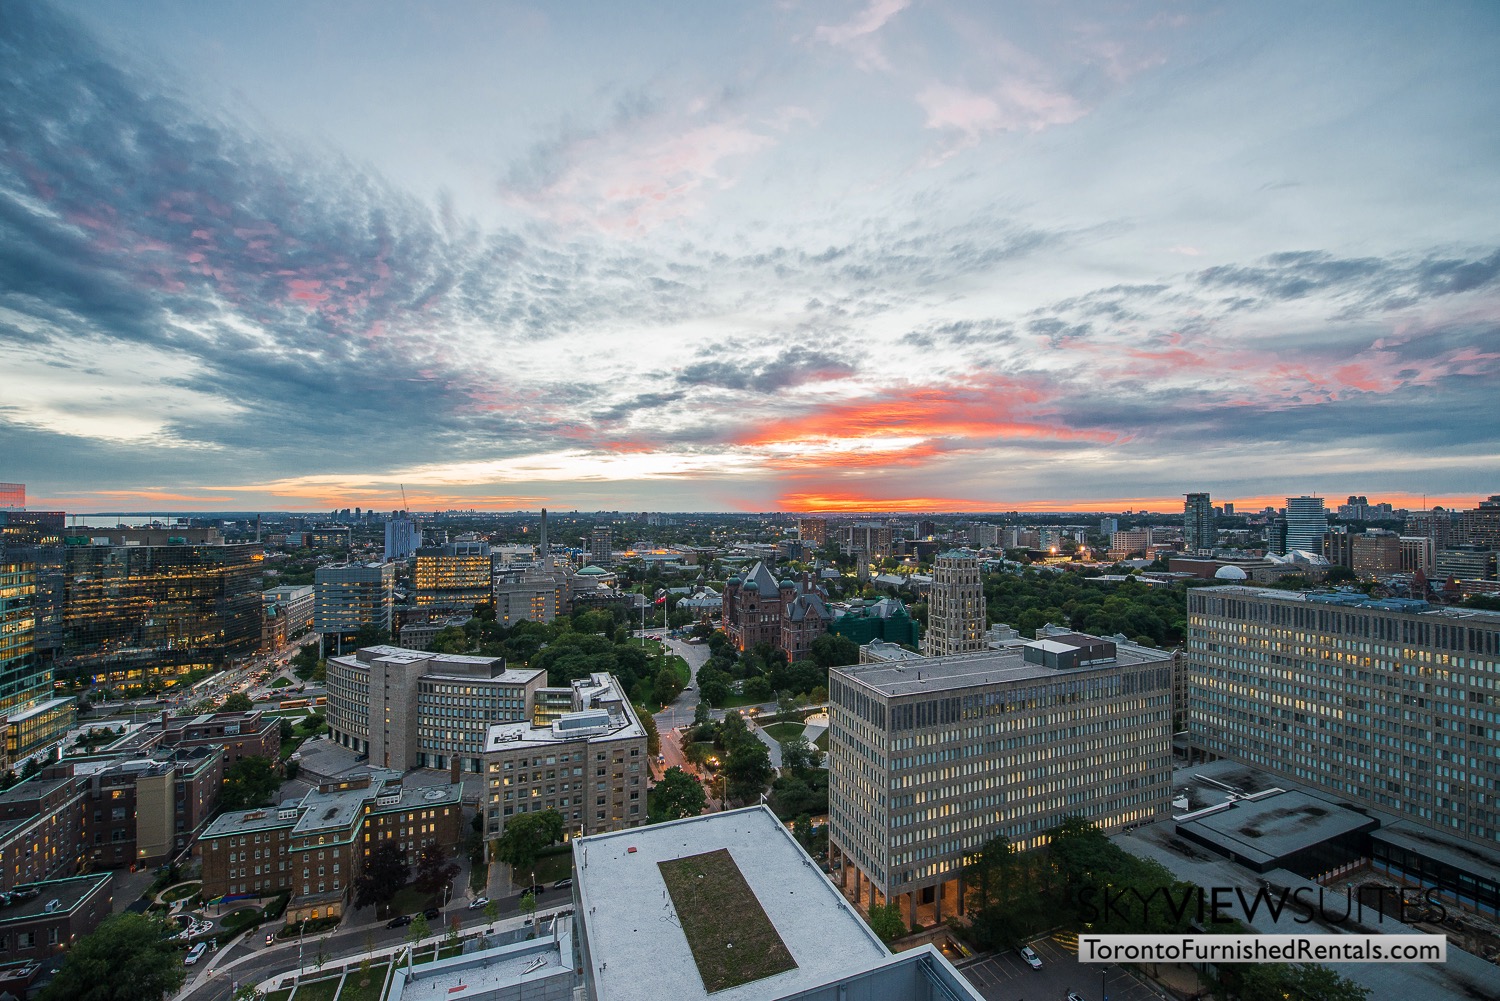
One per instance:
[(1103, 989)]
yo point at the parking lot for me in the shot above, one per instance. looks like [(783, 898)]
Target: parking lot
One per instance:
[(1005, 976)]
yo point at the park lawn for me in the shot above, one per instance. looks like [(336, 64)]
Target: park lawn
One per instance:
[(281, 995), (732, 940), (281, 683), (180, 892), (822, 742), (736, 700), (353, 992), (449, 951), (550, 868), (318, 990), (783, 732)]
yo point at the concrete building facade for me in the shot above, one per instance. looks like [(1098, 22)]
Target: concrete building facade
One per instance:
[(956, 618), (585, 758), (1390, 704), (931, 759), (347, 597), (413, 709)]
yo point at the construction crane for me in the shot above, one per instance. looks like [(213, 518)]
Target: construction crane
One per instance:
[(404, 506)]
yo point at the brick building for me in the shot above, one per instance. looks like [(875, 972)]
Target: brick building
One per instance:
[(43, 919), (146, 811), (316, 847), (759, 609), (41, 829)]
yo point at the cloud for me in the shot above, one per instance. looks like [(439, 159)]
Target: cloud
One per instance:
[(794, 366), (858, 34)]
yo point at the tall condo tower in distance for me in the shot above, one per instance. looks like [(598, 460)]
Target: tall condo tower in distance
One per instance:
[(955, 607), (12, 496), (1306, 521), (602, 546), (402, 537), (1198, 523)]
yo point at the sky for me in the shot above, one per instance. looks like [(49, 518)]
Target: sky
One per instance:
[(881, 254)]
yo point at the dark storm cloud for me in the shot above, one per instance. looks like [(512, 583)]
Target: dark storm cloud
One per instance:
[(1361, 282)]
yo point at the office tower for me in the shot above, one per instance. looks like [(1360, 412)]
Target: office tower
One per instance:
[(1436, 525), (601, 546), (1306, 521), (1417, 553), (1134, 542), (1338, 546), (1276, 535), (145, 605), (348, 597), (455, 575), (1229, 509), (591, 733), (396, 705), (402, 538), (12, 496), (955, 606), (930, 759), (1465, 563), (814, 530), (868, 537), (1108, 526), (30, 717), (1385, 703), (1198, 530)]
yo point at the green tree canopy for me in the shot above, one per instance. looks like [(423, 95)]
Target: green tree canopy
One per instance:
[(653, 738), (435, 869), (677, 795), (525, 835), (798, 756), (747, 769), (249, 782), (385, 873), (885, 921), (239, 702), (833, 650), (127, 958)]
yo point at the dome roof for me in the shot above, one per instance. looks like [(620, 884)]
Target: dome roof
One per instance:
[(734, 582), (788, 583), (1230, 573), (751, 585)]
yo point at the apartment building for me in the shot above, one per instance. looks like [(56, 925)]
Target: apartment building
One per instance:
[(584, 757), (414, 709), (44, 919), (41, 829), (316, 847), (930, 759), (146, 811)]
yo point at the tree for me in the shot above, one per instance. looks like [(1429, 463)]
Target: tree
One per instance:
[(434, 869), (385, 873), (248, 782), (525, 836), (527, 904), (702, 714), (418, 929), (797, 756), (492, 911), (127, 958), (676, 796), (748, 769), (667, 685), (885, 921), (713, 685), (653, 738), (239, 702), (833, 650)]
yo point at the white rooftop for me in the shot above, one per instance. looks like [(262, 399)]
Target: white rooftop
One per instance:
[(635, 941)]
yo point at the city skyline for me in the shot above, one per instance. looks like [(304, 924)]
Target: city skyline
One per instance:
[(880, 256)]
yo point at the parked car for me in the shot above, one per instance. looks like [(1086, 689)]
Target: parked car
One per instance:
[(562, 884), (432, 914), (478, 902), (1074, 996), (535, 891), (270, 938), (1032, 959), (399, 921), (195, 954)]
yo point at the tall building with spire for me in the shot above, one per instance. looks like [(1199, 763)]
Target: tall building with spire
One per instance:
[(1198, 530), (955, 606)]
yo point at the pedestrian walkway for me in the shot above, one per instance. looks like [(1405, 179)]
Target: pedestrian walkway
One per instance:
[(772, 745)]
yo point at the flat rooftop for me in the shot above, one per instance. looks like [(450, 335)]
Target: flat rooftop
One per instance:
[(1342, 599), (636, 940), (54, 896), (1274, 826), (521, 965), (984, 667)]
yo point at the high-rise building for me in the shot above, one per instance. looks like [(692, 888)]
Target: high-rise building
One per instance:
[(1436, 525), (813, 530), (930, 759), (1198, 530), (1465, 563), (1108, 526), (30, 717), (602, 546), (398, 706), (147, 605), (1417, 553), (12, 496), (347, 597), (1481, 526), (455, 575), (1376, 553), (1130, 542), (1338, 546), (955, 606), (1306, 521), (1386, 703), (402, 538)]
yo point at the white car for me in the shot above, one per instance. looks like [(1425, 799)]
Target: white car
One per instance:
[(194, 954), (478, 902), (1032, 959)]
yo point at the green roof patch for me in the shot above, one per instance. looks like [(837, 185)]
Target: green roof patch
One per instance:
[(732, 940)]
